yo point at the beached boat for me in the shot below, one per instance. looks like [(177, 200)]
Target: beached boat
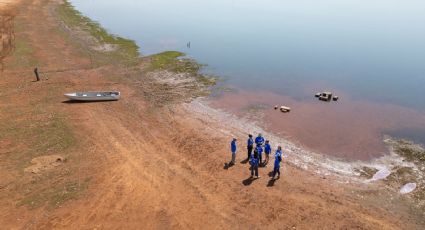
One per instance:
[(94, 96)]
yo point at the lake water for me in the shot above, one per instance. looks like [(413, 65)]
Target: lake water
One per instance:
[(371, 53)]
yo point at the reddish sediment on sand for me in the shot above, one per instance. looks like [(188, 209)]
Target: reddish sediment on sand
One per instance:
[(347, 128)]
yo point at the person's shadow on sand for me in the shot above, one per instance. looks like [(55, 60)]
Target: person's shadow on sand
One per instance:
[(228, 165), (248, 181), (272, 180), (244, 161)]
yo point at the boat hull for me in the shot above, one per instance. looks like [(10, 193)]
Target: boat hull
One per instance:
[(94, 96)]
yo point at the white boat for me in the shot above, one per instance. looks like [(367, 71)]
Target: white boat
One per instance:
[(94, 96)]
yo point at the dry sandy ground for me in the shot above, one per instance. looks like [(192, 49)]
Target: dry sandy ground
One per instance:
[(4, 4), (138, 165)]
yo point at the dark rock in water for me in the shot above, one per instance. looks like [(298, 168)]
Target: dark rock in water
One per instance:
[(326, 96), (285, 109), (323, 98)]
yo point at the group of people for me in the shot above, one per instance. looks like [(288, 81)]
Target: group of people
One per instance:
[(255, 154)]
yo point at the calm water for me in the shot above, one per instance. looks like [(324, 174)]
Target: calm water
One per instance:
[(369, 51)]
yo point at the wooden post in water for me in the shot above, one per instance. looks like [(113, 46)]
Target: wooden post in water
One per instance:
[(36, 74)]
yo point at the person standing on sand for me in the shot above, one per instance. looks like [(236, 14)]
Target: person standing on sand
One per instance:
[(254, 164), (259, 140), (233, 149), (260, 153), (277, 160), (250, 146), (267, 151)]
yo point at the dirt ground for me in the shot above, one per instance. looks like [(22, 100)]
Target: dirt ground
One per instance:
[(142, 162)]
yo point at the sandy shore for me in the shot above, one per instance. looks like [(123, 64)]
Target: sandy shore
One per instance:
[(8, 3), (156, 158)]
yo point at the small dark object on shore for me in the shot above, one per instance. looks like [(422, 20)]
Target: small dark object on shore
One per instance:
[(335, 98), (275, 107), (36, 74)]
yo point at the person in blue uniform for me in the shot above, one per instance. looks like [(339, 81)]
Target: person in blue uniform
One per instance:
[(259, 140), (267, 151), (233, 149), (277, 159), (254, 164), (259, 150), (249, 146)]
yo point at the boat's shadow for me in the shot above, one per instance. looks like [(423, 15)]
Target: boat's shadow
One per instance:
[(83, 102)]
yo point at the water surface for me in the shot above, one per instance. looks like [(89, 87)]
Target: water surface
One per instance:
[(372, 52)]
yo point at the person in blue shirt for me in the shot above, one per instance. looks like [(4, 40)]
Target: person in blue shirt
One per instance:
[(259, 150), (254, 164), (267, 151), (259, 140), (250, 146), (233, 149), (277, 159)]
